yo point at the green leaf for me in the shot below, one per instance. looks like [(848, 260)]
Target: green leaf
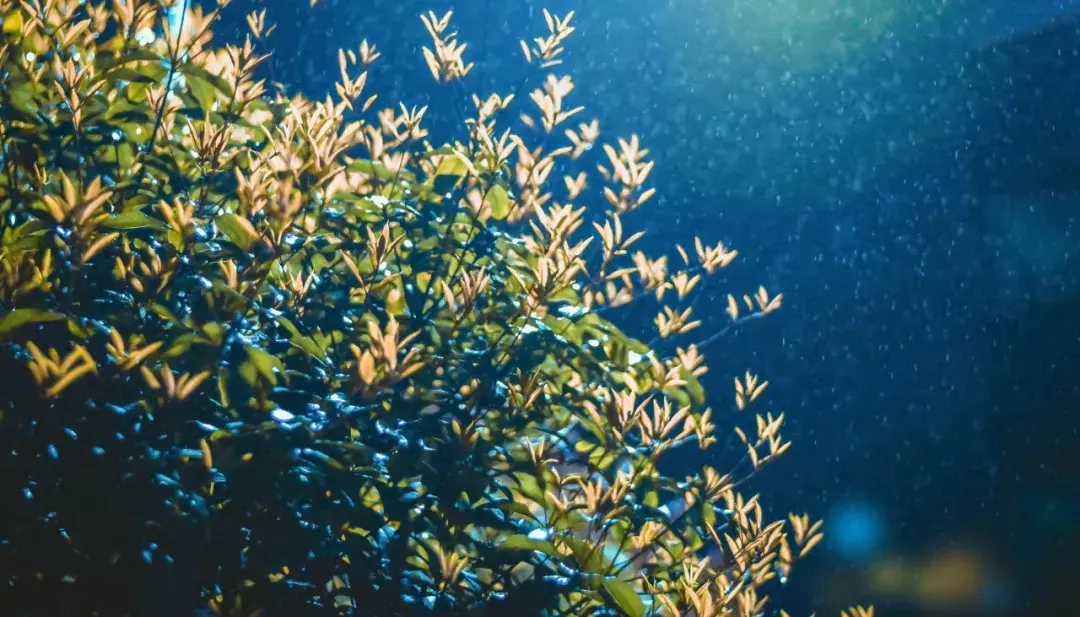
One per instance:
[(135, 219), (589, 556), (500, 202), (678, 395), (176, 239), (306, 344), (448, 174), (626, 599), (708, 513), (182, 344), (368, 168), (215, 332), (78, 330), (22, 99), (132, 75), (130, 116), (451, 166), (529, 487), (238, 229), (264, 363), (21, 317), (134, 55), (444, 150), (125, 156), (693, 387), (216, 81), (288, 325), (228, 293), (164, 313), (13, 23), (521, 542), (25, 237), (518, 508), (223, 386), (395, 299), (652, 499), (203, 92)]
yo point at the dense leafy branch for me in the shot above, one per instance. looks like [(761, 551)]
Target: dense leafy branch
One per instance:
[(292, 358)]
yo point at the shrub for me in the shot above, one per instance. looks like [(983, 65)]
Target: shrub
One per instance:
[(268, 356)]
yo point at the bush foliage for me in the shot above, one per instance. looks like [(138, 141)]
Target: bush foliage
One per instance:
[(263, 355)]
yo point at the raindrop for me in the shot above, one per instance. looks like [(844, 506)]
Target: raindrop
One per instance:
[(540, 534), (280, 415)]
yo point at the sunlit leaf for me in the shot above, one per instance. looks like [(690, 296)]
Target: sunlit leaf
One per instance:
[(13, 22)]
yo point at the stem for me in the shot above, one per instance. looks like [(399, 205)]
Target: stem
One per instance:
[(735, 324), (174, 57)]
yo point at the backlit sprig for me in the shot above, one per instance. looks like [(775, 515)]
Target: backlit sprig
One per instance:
[(547, 49), (170, 385), (56, 373), (131, 354), (445, 62), (550, 100)]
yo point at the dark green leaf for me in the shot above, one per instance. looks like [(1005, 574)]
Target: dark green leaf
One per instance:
[(521, 542), (238, 229), (135, 55), (203, 92), (368, 168), (129, 74), (136, 116), (216, 81), (182, 344), (440, 151), (215, 332), (589, 556), (135, 219), (626, 599), (264, 363), (693, 387), (500, 203), (21, 317), (444, 184), (163, 313), (529, 487)]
